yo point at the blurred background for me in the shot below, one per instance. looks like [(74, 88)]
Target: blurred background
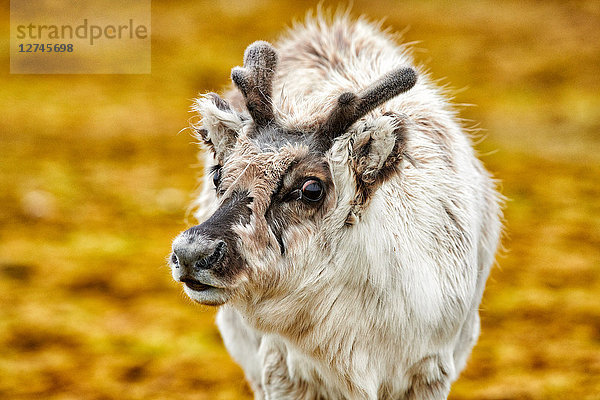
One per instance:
[(96, 177)]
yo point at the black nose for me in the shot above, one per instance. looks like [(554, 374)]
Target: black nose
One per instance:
[(198, 255)]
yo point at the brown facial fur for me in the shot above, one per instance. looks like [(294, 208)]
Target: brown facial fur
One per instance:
[(269, 178)]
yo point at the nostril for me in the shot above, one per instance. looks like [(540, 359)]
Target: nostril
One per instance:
[(216, 256), (174, 260)]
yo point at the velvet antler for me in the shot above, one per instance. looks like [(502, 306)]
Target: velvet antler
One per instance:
[(351, 106), (255, 80)]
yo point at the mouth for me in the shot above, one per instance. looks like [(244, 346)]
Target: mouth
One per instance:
[(196, 285), (205, 294)]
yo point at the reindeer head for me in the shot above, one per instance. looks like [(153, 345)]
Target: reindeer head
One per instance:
[(279, 197)]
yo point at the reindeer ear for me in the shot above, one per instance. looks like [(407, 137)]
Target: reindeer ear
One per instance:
[(219, 126), (377, 147)]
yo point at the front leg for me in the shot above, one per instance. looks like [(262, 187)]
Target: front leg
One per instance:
[(277, 382), (431, 378)]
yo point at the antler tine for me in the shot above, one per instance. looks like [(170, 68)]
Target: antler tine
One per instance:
[(255, 80), (351, 107)]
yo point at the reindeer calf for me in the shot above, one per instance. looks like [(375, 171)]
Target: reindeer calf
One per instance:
[(348, 227)]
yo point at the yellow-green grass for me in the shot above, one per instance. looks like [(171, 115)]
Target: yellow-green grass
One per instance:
[(95, 181)]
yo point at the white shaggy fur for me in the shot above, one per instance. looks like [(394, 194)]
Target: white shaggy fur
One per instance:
[(378, 300)]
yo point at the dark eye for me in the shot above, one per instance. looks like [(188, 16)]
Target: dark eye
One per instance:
[(312, 190), (216, 175)]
